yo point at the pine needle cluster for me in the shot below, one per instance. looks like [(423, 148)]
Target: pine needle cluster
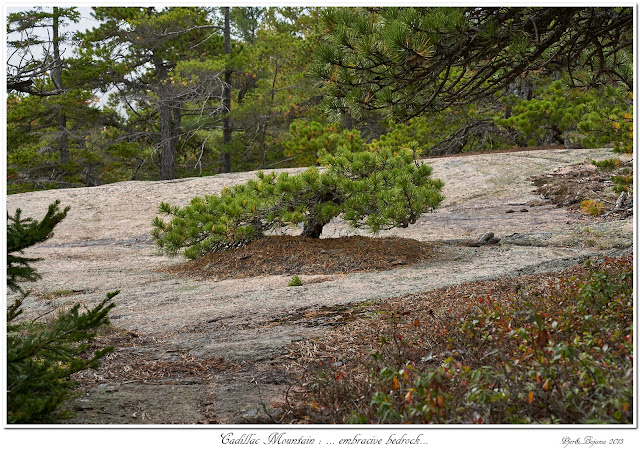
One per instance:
[(408, 61)]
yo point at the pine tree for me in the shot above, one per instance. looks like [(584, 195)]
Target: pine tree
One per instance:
[(273, 90), (41, 356), (307, 139), (155, 59), (50, 116), (373, 187), (25, 71)]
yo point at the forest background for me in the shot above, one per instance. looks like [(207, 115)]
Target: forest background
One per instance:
[(163, 93)]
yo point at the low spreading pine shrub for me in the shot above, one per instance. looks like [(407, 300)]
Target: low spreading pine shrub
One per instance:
[(377, 188), (609, 164)]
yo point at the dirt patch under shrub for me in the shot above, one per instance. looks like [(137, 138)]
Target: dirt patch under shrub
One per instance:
[(570, 186), (277, 255)]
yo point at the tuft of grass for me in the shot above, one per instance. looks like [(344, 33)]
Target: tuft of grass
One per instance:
[(592, 207), (295, 282)]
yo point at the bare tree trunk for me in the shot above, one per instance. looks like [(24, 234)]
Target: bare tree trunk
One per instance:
[(312, 229), (167, 155), (263, 138), (168, 137), (167, 140), (263, 135), (348, 120), (176, 124), (56, 75), (227, 129)]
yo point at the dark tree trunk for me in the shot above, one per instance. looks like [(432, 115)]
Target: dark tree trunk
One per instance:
[(348, 120), (226, 121), (56, 75), (312, 229), (263, 138), (168, 139), (63, 141), (176, 124), (557, 134), (167, 155)]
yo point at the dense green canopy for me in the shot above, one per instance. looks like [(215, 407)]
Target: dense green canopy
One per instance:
[(173, 92)]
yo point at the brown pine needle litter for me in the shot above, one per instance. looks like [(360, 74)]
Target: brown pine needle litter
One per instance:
[(278, 255)]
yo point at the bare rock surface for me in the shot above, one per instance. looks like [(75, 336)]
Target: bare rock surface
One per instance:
[(104, 244)]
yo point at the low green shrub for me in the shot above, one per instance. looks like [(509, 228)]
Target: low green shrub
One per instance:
[(295, 282), (622, 183), (592, 207), (562, 354), (611, 163)]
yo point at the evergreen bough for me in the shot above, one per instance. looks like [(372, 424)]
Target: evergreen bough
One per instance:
[(408, 61), (371, 186), (41, 356), (23, 233)]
